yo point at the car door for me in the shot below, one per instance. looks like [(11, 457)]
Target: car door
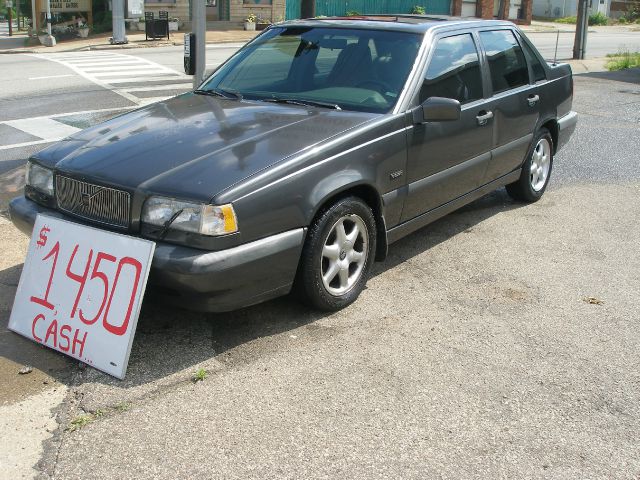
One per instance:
[(515, 100), (447, 159)]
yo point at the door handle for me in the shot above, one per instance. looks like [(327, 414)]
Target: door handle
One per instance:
[(483, 117), (533, 99)]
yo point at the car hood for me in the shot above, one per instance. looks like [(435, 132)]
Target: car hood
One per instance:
[(194, 146)]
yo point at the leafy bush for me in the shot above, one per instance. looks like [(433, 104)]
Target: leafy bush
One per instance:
[(595, 19), (598, 19), (102, 22), (418, 10), (353, 13)]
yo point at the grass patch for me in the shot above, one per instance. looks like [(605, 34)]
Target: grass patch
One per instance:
[(623, 60), (122, 407), (572, 20), (79, 422), (199, 375)]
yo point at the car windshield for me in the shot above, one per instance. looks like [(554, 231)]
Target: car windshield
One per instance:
[(350, 69)]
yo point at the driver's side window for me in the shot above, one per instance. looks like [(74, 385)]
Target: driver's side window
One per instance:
[(453, 71)]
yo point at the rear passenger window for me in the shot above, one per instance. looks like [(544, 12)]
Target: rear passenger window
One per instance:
[(506, 61), (534, 61), (454, 71)]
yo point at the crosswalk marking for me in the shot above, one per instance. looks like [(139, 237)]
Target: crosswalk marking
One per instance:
[(49, 129), (35, 127), (109, 69)]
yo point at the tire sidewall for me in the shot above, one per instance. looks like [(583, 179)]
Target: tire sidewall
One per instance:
[(311, 271)]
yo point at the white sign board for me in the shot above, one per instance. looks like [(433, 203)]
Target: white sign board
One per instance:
[(58, 6), (81, 291)]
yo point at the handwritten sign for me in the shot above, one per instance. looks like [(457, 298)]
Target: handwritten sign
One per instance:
[(81, 290)]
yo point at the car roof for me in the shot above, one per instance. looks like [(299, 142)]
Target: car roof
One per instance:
[(401, 23)]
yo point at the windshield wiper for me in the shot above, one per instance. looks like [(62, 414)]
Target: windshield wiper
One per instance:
[(298, 101), (219, 92)]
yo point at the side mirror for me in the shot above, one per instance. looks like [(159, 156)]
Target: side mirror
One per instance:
[(437, 109)]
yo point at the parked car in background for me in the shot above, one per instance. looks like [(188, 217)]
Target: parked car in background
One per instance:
[(311, 150)]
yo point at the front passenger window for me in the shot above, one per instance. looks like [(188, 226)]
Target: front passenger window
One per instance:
[(454, 71)]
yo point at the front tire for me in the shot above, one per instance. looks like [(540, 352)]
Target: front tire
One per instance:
[(536, 170), (337, 255)]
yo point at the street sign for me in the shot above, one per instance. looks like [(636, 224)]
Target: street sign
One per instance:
[(81, 290)]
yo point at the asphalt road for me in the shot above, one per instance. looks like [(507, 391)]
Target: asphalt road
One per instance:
[(473, 353)]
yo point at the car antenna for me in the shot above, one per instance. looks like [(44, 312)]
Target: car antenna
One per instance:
[(555, 55)]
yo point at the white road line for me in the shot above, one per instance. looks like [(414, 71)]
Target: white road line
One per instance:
[(55, 134), (119, 68), (150, 79), (107, 63), (27, 144), (51, 76), (43, 127), (99, 75), (147, 101), (169, 86), (69, 114)]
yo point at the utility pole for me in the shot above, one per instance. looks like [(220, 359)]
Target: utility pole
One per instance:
[(50, 40), (199, 28), (582, 25), (34, 18), (117, 22), (9, 5), (49, 18)]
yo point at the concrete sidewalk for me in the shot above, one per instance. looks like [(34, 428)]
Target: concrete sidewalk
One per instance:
[(136, 40)]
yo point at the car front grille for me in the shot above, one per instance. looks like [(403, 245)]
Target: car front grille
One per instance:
[(93, 202)]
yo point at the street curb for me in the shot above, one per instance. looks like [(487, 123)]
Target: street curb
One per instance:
[(126, 46)]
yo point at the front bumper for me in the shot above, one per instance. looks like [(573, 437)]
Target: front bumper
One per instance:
[(207, 281), (566, 126)]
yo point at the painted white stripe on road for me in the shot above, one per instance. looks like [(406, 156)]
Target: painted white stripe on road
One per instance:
[(26, 144), (155, 78), (43, 127), (169, 86), (51, 76), (119, 68), (119, 74), (107, 62)]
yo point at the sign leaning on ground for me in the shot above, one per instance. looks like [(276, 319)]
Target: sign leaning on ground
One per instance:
[(81, 290)]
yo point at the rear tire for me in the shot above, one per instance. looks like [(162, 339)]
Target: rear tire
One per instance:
[(337, 255), (536, 170)]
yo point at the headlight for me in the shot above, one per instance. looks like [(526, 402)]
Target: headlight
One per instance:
[(40, 178), (190, 217)]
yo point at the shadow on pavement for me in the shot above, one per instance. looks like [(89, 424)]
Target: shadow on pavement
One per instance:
[(630, 75), (169, 340)]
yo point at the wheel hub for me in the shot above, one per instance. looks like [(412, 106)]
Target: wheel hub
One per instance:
[(344, 254)]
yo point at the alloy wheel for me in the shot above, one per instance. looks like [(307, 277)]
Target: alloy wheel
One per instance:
[(344, 254)]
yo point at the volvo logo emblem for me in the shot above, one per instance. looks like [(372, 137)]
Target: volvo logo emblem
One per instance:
[(84, 200)]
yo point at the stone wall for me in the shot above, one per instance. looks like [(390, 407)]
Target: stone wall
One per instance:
[(272, 13), (180, 10)]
